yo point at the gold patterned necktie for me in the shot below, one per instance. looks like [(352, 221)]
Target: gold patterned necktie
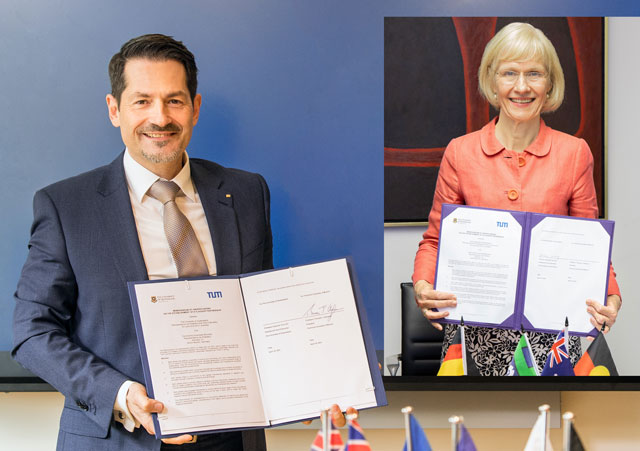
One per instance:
[(183, 242)]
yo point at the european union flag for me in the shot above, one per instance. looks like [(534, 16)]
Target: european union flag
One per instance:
[(419, 441)]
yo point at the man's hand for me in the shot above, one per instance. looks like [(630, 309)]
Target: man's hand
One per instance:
[(335, 413), (337, 417), (427, 298), (604, 313), (141, 407)]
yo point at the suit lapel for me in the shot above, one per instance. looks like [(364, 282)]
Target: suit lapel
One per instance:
[(119, 224), (221, 218)]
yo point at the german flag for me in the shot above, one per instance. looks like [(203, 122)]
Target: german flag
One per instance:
[(597, 361), (457, 361)]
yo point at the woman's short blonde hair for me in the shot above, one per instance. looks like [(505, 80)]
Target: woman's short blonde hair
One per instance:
[(521, 42)]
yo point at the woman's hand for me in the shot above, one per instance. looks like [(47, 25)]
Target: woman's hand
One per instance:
[(427, 299), (604, 313)]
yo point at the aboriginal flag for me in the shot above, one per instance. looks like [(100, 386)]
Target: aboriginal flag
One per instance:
[(597, 361), (458, 361)]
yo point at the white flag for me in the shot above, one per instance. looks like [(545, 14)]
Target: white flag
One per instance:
[(538, 436)]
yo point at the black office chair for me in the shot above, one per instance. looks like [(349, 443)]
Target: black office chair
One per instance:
[(421, 342)]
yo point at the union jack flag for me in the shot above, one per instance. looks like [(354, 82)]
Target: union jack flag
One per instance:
[(335, 440), (558, 352), (356, 441), (558, 361)]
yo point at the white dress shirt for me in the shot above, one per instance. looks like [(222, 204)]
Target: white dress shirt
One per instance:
[(147, 212)]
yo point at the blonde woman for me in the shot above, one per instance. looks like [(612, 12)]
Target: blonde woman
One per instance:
[(515, 162)]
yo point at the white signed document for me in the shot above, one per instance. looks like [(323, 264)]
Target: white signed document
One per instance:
[(308, 341), (199, 355), (478, 261), (568, 262), (516, 269), (252, 351)]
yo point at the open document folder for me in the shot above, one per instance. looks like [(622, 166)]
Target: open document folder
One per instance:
[(514, 269), (255, 350)]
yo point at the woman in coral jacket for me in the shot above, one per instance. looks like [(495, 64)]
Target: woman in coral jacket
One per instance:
[(515, 162)]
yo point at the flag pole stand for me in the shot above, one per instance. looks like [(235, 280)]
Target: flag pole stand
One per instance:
[(326, 430), (567, 420), (544, 410), (407, 427), (455, 430)]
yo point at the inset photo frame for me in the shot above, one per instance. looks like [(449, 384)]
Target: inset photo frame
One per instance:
[(431, 96)]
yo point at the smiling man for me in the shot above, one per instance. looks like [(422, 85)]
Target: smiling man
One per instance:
[(155, 112), (95, 232)]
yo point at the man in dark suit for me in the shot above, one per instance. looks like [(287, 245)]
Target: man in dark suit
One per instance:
[(95, 232)]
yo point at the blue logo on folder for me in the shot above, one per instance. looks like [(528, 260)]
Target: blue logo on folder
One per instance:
[(214, 294)]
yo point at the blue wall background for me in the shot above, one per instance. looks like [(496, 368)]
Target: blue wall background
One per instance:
[(291, 89)]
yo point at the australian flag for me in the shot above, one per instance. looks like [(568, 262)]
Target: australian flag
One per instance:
[(356, 441), (558, 362)]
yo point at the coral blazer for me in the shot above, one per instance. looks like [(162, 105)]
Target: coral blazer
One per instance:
[(554, 175)]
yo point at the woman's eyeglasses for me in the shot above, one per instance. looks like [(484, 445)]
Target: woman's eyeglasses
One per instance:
[(511, 76)]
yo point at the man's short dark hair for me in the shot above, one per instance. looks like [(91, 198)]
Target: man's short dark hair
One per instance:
[(156, 47)]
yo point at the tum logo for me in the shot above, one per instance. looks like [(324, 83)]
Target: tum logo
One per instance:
[(502, 224), (214, 294)]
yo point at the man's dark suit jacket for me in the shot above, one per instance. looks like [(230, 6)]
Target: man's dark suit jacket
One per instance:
[(73, 325)]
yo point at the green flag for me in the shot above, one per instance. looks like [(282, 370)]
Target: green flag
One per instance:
[(523, 363)]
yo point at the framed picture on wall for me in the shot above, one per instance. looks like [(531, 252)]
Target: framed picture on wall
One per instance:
[(431, 96)]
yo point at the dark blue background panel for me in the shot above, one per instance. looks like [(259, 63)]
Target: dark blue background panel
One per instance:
[(291, 89)]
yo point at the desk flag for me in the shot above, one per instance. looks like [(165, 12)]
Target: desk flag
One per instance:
[(457, 361), (419, 441), (523, 362), (356, 441), (335, 440), (465, 443), (597, 361), (558, 362), (575, 444), (539, 436), (570, 441)]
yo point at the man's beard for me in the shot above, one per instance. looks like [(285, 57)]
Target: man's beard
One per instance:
[(163, 157)]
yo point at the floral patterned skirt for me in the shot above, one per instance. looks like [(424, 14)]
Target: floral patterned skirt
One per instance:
[(492, 349)]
